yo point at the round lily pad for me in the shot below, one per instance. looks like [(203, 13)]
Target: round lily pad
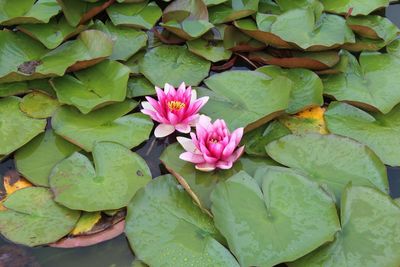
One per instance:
[(246, 98), (358, 7), (370, 82), (16, 128), (105, 124), (38, 105), (331, 159), (370, 223), (380, 132), (36, 159), (284, 216), (173, 65), (165, 228), (110, 184), (94, 87), (201, 184), (32, 217)]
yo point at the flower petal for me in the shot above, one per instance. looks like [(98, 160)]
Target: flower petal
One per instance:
[(147, 105), (193, 96), (183, 128), (187, 144), (224, 165), (204, 121), (163, 130), (205, 167), (193, 158)]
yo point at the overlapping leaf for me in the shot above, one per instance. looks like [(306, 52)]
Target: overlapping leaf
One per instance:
[(117, 175), (331, 160), (284, 216), (164, 224), (370, 224), (105, 124), (94, 87), (33, 218)]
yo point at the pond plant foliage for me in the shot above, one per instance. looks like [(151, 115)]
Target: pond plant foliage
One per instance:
[(281, 161)]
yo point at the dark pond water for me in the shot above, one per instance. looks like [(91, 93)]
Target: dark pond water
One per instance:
[(116, 252)]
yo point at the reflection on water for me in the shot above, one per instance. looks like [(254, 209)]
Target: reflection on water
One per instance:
[(116, 252)]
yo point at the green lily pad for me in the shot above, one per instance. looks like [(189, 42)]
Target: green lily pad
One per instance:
[(28, 59), (284, 217), (370, 83), (306, 89), (36, 159), (165, 228), (105, 124), (369, 237), (256, 140), (232, 10), (142, 15), (78, 12), (246, 98), (187, 19), (174, 65), (380, 132), (53, 33), (16, 128), (127, 41), (260, 32), (27, 11), (374, 27), (139, 86), (19, 88), (330, 159), (188, 29), (133, 62), (110, 184), (235, 40), (38, 105), (358, 7), (316, 33), (213, 51), (32, 217), (94, 87), (201, 184)]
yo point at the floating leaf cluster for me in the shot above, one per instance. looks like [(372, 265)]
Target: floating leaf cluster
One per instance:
[(315, 85)]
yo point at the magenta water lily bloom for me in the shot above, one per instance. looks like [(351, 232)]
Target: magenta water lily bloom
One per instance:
[(174, 109), (212, 146)]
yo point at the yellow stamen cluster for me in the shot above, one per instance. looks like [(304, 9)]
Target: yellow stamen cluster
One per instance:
[(175, 105)]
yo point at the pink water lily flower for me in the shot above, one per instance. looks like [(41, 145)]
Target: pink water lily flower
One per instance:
[(174, 109), (213, 146)]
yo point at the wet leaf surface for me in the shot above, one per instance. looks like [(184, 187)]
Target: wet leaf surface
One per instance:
[(110, 184), (32, 218), (331, 160), (285, 215), (164, 213)]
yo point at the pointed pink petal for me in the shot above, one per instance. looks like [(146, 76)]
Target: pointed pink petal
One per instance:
[(236, 154), (167, 88), (183, 128), (237, 135), (147, 105), (205, 167), (152, 114), (193, 96), (224, 164), (187, 144), (163, 130), (160, 94), (194, 158), (173, 119), (204, 121)]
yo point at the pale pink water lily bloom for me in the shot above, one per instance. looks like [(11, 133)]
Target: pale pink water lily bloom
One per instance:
[(174, 109), (212, 146)]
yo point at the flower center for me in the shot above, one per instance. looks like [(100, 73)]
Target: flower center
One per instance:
[(213, 140), (175, 105)]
